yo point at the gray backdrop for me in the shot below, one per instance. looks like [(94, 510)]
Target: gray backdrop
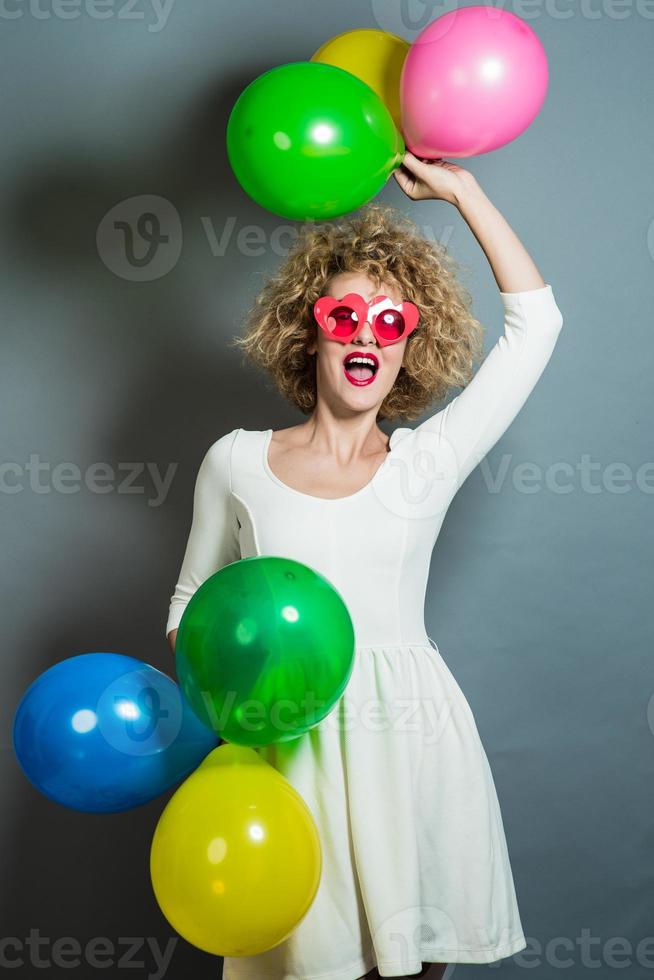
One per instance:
[(540, 590)]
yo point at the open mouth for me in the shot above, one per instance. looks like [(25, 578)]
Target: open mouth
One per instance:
[(360, 369)]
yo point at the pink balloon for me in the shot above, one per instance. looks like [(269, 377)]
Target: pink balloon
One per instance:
[(472, 81)]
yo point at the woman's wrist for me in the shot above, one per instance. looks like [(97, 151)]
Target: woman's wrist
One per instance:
[(469, 194), (513, 268)]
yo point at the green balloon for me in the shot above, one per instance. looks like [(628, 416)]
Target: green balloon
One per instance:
[(311, 141), (264, 650)]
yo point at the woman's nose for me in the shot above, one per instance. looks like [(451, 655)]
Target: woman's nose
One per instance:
[(366, 335)]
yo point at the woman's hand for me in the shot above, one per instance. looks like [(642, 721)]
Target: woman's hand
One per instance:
[(513, 267), (435, 179)]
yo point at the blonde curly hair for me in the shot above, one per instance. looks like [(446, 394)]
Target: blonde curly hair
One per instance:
[(385, 245)]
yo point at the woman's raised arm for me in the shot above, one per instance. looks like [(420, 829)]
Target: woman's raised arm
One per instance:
[(476, 418), (512, 265)]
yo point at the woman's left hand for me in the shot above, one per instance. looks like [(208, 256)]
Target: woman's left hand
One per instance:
[(435, 179)]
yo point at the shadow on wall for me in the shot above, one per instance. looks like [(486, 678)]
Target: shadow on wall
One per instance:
[(81, 874)]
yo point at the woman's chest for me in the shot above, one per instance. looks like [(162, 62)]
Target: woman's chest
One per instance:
[(321, 533), (314, 475)]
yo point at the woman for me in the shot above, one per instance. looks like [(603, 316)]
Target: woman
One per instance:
[(415, 863)]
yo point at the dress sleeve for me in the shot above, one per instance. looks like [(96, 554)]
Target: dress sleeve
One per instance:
[(475, 419), (213, 539)]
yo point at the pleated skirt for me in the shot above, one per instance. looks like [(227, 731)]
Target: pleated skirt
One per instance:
[(415, 861)]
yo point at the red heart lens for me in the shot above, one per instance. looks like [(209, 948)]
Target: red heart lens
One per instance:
[(345, 321), (390, 324)]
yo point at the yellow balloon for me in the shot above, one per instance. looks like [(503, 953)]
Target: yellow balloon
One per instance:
[(235, 858), (375, 57)]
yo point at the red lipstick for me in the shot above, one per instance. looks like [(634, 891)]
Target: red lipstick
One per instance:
[(370, 358)]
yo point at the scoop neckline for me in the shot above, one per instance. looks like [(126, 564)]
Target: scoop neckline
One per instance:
[(310, 496)]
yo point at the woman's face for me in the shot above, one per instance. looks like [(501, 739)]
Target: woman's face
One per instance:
[(333, 381)]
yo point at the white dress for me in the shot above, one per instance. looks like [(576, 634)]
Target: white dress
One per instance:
[(415, 861)]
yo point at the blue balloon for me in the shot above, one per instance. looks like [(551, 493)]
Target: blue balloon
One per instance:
[(102, 733)]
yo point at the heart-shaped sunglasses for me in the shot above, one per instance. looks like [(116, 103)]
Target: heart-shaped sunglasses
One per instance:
[(342, 319)]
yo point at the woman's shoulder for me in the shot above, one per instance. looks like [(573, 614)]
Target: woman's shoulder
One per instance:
[(227, 438), (398, 434), (241, 441)]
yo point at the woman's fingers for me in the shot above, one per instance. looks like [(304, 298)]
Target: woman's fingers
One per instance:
[(415, 165), (407, 183)]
